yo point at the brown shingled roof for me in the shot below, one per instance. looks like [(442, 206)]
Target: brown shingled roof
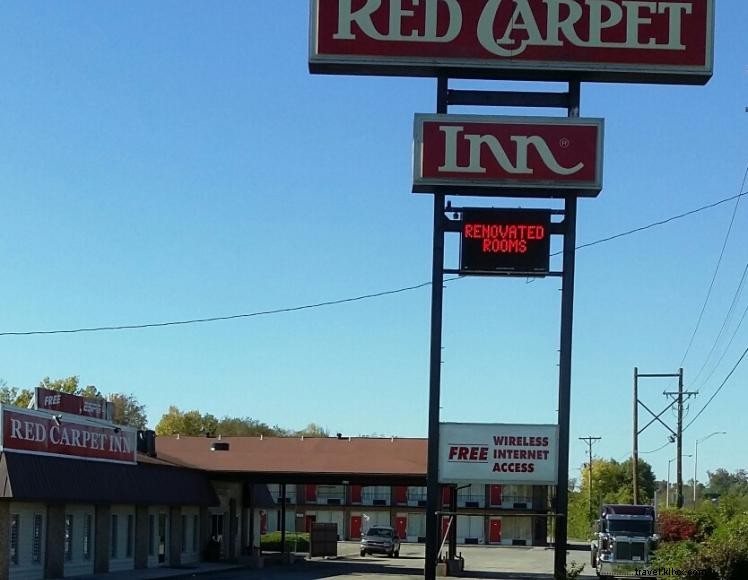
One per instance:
[(358, 456)]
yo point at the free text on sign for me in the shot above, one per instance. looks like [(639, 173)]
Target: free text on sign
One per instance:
[(666, 41), (478, 452)]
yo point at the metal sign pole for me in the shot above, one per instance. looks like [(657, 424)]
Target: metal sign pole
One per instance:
[(437, 290), (564, 379)]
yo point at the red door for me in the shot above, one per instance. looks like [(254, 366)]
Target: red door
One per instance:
[(309, 520), (401, 525), (494, 533), (401, 494), (445, 495), (355, 527), (311, 493), (355, 494), (263, 522), (496, 494)]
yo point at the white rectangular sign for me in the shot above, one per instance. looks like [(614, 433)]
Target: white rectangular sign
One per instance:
[(498, 453)]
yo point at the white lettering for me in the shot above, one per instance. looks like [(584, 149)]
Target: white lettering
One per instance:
[(15, 429), (556, 25), (565, 22), (598, 24), (54, 434), (634, 20), (475, 160), (397, 14), (675, 11)]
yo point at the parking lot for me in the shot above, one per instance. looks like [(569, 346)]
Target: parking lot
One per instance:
[(500, 562)]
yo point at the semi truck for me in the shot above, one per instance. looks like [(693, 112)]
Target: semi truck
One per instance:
[(623, 540)]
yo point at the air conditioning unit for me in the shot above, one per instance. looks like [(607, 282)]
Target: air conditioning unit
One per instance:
[(522, 506), (333, 501), (472, 504), (380, 502)]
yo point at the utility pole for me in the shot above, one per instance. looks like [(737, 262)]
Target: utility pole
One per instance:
[(635, 454), (679, 397), (590, 440)]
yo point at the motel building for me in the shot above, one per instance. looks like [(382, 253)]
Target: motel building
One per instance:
[(83, 496)]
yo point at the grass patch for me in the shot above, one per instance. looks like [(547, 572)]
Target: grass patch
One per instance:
[(295, 541)]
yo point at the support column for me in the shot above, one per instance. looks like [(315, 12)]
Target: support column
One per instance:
[(102, 538), (247, 520), (5, 539), (141, 537), (231, 553), (564, 378), (175, 536), (54, 549), (433, 498)]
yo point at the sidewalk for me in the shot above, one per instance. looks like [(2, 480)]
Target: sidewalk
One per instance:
[(186, 571)]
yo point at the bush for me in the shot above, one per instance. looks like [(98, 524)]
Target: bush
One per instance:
[(677, 555), (295, 542), (676, 526)]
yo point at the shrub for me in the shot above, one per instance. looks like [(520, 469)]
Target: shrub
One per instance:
[(677, 526), (676, 555), (295, 542)]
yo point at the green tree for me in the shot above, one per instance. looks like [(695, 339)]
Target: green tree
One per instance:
[(128, 410), (190, 423), (14, 395)]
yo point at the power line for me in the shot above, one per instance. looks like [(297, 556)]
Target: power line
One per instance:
[(342, 300), (727, 348), (727, 378), (716, 270), (222, 318), (728, 316)]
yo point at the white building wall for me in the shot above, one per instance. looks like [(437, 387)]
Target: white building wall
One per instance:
[(191, 551), (416, 526), (471, 529), (274, 519), (80, 559), (374, 518), (119, 559), (29, 567), (517, 528), (158, 535), (376, 495), (330, 517)]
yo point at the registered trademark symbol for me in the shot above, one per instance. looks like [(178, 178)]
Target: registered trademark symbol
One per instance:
[(564, 142)]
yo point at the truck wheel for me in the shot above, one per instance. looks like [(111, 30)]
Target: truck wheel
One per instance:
[(593, 557), (397, 553), (363, 552)]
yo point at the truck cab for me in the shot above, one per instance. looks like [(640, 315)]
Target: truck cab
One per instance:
[(624, 539)]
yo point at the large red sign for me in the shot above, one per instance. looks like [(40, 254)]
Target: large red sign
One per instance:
[(666, 41), (535, 156), (43, 433), (68, 403)]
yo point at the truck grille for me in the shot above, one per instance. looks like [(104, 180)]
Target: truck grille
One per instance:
[(630, 551)]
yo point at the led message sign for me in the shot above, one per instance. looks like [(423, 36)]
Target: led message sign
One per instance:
[(664, 41), (499, 454), (505, 242), (533, 156)]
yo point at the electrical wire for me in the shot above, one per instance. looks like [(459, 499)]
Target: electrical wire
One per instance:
[(342, 300), (222, 318), (727, 348), (716, 270), (725, 322), (727, 378)]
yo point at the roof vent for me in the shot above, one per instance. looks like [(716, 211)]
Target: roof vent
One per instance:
[(219, 446)]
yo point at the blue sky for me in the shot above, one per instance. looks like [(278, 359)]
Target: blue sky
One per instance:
[(175, 160)]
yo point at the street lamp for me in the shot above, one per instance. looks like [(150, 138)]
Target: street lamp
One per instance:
[(696, 458), (669, 461)]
